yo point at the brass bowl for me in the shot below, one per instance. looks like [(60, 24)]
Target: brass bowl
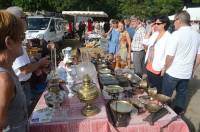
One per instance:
[(163, 98), (152, 91), (121, 106), (136, 102), (105, 71), (54, 89), (143, 84), (106, 75), (113, 89), (133, 78), (101, 66), (152, 107)]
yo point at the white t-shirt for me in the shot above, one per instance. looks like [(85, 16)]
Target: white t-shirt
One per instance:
[(19, 62), (184, 46), (159, 49), (195, 27)]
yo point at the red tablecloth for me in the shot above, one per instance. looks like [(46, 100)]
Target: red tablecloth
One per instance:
[(68, 118)]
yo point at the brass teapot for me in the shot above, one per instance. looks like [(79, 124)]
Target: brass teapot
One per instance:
[(87, 94)]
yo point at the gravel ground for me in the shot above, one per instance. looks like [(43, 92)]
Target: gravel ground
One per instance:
[(192, 115)]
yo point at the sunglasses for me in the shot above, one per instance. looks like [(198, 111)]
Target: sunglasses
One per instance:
[(159, 23)]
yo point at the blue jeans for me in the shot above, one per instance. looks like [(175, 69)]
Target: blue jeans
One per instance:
[(170, 83), (155, 80)]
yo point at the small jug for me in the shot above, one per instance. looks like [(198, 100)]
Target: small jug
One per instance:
[(67, 52)]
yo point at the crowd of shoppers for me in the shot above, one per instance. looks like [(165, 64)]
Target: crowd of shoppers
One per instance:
[(168, 59)]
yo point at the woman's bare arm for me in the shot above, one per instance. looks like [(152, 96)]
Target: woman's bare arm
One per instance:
[(129, 48), (7, 92)]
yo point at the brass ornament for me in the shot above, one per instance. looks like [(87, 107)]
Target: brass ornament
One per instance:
[(87, 94), (163, 98), (152, 107)]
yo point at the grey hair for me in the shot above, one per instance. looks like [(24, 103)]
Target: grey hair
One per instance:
[(15, 10), (183, 16)]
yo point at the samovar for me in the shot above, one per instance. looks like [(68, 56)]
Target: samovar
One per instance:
[(87, 94)]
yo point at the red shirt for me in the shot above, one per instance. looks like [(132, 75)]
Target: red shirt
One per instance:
[(70, 27), (89, 25)]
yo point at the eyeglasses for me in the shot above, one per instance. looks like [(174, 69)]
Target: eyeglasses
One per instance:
[(159, 23)]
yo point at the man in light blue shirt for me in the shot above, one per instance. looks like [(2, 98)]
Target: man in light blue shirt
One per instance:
[(128, 28)]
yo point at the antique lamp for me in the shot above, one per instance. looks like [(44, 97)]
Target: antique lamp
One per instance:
[(87, 94)]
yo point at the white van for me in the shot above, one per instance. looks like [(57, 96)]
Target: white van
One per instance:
[(47, 28)]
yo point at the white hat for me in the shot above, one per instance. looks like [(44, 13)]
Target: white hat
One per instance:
[(15, 10)]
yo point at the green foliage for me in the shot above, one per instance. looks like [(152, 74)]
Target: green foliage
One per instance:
[(5, 3), (149, 8), (196, 1), (114, 8)]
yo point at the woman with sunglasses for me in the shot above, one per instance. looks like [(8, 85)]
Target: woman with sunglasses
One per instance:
[(155, 55), (13, 110)]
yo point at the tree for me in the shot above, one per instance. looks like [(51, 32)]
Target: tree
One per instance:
[(5, 3), (114, 8), (149, 8)]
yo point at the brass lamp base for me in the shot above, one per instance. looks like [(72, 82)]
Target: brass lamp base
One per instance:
[(90, 110)]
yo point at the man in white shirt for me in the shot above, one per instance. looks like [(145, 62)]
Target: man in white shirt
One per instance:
[(22, 66), (183, 55)]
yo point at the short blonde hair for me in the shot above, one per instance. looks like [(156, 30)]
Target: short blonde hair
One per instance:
[(10, 26)]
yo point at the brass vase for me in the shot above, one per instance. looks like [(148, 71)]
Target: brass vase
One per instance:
[(87, 94)]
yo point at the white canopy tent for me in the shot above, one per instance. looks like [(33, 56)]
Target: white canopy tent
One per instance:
[(194, 13), (171, 17), (85, 13)]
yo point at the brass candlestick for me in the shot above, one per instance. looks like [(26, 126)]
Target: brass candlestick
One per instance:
[(87, 94)]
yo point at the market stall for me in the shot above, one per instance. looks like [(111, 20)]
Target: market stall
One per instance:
[(69, 118), (99, 98), (92, 35)]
